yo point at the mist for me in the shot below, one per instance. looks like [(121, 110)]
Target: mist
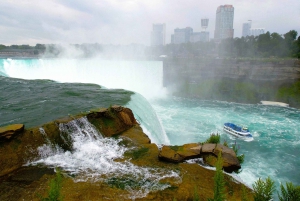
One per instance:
[(125, 22)]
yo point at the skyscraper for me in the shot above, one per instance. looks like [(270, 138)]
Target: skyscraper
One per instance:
[(158, 34), (246, 29), (224, 22)]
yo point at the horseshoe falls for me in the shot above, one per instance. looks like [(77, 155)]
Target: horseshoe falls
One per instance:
[(51, 88)]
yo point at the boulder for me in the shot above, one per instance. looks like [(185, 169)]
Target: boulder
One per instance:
[(10, 131), (177, 154), (112, 121), (230, 161), (210, 156)]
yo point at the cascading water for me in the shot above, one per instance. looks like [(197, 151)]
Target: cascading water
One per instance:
[(276, 130), (92, 158)]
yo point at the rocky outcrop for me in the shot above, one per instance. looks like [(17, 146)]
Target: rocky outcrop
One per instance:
[(230, 161), (177, 154), (209, 152), (113, 120), (10, 131)]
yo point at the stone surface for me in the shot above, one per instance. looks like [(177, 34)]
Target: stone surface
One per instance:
[(10, 131), (208, 148), (210, 156), (230, 161), (178, 154)]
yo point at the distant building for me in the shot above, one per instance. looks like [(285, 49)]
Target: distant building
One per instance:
[(182, 35), (200, 36), (158, 34), (246, 29), (224, 22), (257, 31), (204, 23)]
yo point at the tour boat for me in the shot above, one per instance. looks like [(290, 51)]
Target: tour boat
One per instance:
[(237, 130)]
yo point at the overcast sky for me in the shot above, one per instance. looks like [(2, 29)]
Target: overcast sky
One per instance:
[(130, 21)]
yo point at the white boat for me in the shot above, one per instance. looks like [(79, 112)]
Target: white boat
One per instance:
[(274, 103), (237, 131)]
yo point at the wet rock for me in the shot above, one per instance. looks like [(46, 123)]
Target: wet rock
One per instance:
[(230, 161), (177, 154), (210, 156), (10, 131)]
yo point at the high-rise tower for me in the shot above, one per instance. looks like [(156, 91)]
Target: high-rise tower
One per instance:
[(158, 35), (224, 22), (246, 28)]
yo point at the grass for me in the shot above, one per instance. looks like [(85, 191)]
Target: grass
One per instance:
[(55, 188)]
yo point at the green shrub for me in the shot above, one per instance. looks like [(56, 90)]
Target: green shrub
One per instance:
[(219, 182), (214, 138), (55, 188), (290, 193), (263, 190)]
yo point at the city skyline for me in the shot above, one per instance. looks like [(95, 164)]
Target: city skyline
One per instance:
[(129, 21)]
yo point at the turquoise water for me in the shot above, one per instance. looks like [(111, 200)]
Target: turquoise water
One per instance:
[(276, 145), (56, 88)]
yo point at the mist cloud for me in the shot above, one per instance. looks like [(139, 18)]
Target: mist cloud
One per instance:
[(130, 21)]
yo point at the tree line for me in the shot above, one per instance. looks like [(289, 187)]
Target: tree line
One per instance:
[(262, 46)]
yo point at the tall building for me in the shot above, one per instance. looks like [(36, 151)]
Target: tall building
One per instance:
[(224, 22), (182, 35), (158, 34), (246, 29)]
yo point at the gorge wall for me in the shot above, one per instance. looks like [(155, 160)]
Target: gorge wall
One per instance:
[(235, 80)]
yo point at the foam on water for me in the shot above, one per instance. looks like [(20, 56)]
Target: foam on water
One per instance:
[(92, 159)]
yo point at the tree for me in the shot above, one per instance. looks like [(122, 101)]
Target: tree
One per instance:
[(263, 190), (290, 193)]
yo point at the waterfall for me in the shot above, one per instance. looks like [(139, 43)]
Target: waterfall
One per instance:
[(92, 159)]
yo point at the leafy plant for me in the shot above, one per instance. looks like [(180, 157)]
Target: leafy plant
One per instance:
[(219, 182), (263, 190), (214, 138), (54, 193), (290, 193)]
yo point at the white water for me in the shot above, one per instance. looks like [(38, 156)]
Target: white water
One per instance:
[(92, 158)]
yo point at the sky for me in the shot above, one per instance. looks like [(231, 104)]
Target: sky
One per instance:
[(123, 22)]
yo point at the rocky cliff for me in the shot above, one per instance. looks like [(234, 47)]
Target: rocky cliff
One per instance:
[(234, 80)]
